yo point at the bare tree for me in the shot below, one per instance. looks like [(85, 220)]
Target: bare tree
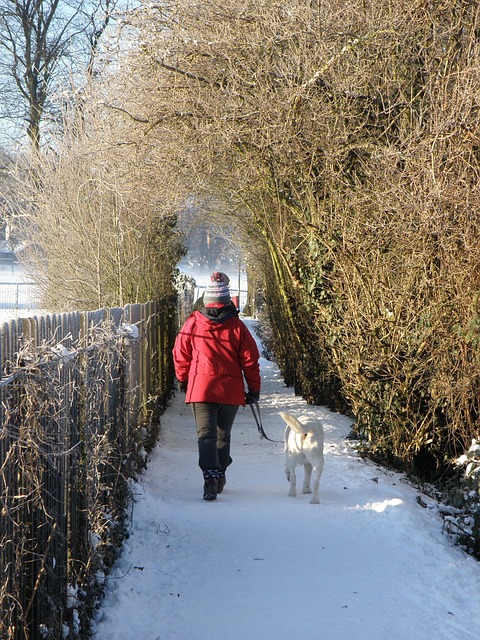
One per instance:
[(98, 231), (44, 43)]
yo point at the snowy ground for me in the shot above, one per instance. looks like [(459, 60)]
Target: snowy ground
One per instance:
[(368, 563)]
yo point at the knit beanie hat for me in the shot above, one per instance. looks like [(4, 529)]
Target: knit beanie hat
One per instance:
[(217, 294)]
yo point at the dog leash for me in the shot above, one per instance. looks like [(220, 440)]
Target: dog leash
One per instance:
[(255, 407)]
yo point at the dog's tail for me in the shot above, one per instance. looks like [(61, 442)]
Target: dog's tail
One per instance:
[(293, 423)]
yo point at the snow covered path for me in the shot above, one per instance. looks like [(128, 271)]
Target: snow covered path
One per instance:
[(368, 563)]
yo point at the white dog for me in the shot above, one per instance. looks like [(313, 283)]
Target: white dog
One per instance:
[(303, 445)]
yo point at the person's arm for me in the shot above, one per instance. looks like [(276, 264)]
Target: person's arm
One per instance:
[(182, 352)]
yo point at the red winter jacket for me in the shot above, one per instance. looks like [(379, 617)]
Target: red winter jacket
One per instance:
[(214, 357)]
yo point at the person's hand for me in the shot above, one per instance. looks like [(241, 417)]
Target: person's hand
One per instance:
[(183, 386), (252, 396)]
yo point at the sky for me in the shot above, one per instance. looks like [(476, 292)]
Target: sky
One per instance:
[(367, 563)]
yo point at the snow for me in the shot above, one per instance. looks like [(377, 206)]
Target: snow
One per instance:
[(368, 563), (129, 331)]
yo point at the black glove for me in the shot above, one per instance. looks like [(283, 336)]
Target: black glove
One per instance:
[(252, 396), (183, 386)]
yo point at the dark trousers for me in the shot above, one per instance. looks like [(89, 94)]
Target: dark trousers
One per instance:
[(214, 426)]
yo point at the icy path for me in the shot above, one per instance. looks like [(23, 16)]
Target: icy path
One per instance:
[(368, 563)]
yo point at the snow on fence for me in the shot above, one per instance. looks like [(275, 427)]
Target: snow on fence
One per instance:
[(80, 394)]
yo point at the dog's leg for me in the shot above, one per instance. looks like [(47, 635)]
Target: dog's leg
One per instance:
[(287, 468), (292, 479), (317, 472), (308, 476)]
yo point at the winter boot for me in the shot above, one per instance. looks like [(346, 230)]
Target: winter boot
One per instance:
[(210, 487), (221, 480)]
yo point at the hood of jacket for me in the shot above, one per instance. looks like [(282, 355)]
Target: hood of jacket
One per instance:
[(218, 315)]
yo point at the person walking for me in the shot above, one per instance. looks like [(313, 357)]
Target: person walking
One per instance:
[(215, 356)]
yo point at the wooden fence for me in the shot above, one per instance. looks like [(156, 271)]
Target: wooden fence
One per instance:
[(80, 396)]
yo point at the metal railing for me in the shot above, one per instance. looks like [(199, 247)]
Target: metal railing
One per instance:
[(20, 296)]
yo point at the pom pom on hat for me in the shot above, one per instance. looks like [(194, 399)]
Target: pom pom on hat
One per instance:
[(219, 276)]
